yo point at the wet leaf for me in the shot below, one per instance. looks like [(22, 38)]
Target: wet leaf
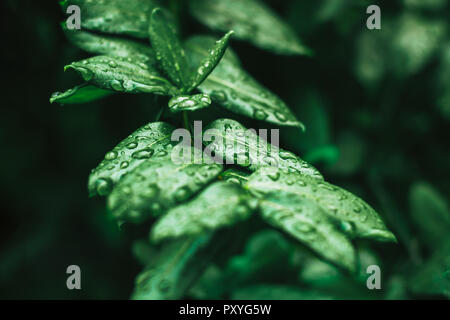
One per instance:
[(169, 52), (80, 94), (356, 217), (129, 17), (123, 75), (175, 269), (197, 49), (310, 224), (157, 185), (220, 205), (189, 103), (148, 141), (235, 90), (252, 21), (232, 141), (208, 64), (111, 45)]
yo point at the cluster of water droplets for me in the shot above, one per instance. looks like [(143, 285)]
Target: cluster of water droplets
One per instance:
[(356, 216), (194, 102), (152, 140)]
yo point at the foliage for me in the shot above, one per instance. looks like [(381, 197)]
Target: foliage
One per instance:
[(266, 227), (144, 182)]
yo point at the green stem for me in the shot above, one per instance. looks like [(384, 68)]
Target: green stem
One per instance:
[(186, 120)]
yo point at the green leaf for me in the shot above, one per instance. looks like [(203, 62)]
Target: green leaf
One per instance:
[(110, 45), (158, 185), (220, 205), (208, 64), (357, 218), (430, 213), (169, 52), (267, 256), (197, 50), (235, 176), (246, 149), (310, 224), (252, 21), (129, 17), (80, 94), (175, 269), (123, 75), (235, 90), (150, 140), (189, 103)]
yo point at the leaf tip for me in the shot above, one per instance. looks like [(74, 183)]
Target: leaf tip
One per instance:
[(381, 235)]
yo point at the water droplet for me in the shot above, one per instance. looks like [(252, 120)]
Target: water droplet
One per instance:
[(150, 192), (274, 176), (260, 114), (124, 164), (301, 183), (111, 155), (219, 96), (302, 227), (112, 64), (270, 161), (116, 85), (103, 186), (143, 154), (132, 145), (280, 116), (182, 194)]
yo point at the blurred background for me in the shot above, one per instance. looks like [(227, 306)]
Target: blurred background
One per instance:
[(376, 105)]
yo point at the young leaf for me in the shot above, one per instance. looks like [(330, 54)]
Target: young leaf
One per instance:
[(219, 205), (245, 148), (208, 64), (169, 52), (198, 45), (235, 90), (302, 219), (252, 21), (357, 218), (129, 17), (123, 75), (175, 269), (80, 94), (150, 140), (110, 45), (158, 185), (191, 103)]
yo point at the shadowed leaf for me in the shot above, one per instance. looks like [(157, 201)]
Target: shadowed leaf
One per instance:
[(80, 94), (252, 21)]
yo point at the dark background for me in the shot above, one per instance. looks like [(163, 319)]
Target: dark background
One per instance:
[(374, 136)]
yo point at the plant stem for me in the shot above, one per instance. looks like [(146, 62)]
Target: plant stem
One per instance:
[(186, 120)]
